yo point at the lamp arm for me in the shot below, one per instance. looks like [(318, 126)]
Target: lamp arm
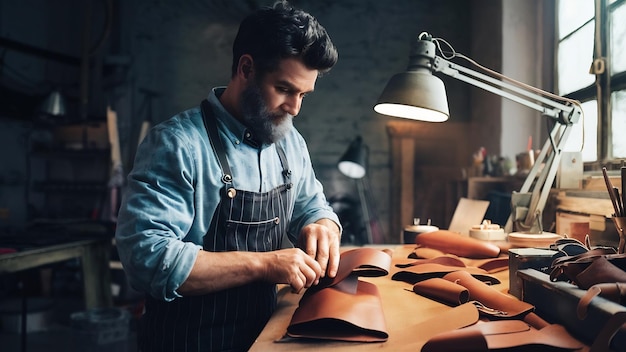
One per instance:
[(562, 113), (526, 208)]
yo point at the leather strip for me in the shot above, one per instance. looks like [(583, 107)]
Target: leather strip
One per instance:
[(442, 290), (613, 291), (490, 296)]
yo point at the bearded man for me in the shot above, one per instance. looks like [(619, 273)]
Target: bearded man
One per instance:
[(222, 203)]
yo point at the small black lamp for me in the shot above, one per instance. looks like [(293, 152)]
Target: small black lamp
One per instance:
[(353, 163), (54, 104)]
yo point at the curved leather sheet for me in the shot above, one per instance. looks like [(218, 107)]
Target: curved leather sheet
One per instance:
[(501, 335), (341, 316), (489, 296), (345, 308), (365, 261)]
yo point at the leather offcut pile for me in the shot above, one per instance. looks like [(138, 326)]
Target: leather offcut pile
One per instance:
[(503, 322)]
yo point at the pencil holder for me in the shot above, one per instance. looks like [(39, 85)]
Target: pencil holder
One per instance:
[(620, 225)]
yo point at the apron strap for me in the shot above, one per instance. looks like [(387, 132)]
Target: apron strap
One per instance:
[(216, 141), (283, 161)]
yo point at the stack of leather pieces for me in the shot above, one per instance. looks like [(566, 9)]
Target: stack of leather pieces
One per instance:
[(505, 323), (345, 308)]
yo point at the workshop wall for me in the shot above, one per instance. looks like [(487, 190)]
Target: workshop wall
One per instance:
[(161, 57)]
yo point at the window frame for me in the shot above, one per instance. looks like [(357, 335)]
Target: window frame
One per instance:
[(604, 84)]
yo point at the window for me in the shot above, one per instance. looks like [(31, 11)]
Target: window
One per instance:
[(591, 67)]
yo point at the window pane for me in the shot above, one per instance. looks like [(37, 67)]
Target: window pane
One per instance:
[(618, 33), (618, 125), (585, 131), (573, 14), (575, 57)]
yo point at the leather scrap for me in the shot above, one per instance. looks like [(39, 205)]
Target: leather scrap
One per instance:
[(490, 265), (421, 272), (501, 335)]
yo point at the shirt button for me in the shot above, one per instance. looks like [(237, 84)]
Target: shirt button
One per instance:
[(237, 141)]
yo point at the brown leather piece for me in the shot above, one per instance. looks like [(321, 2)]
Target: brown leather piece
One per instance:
[(590, 268), (345, 308), (490, 265), (457, 244), (365, 261), (600, 271), (613, 291), (341, 316), (442, 290), (421, 272), (489, 296), (502, 335)]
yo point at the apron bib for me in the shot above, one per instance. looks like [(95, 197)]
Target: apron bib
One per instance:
[(231, 319)]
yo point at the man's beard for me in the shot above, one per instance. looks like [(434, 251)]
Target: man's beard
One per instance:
[(267, 127)]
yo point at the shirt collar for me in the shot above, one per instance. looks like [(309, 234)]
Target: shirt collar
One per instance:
[(239, 130)]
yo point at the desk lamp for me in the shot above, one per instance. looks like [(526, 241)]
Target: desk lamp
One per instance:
[(353, 164), (419, 95)]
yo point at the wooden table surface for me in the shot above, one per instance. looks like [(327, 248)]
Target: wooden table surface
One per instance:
[(93, 253), (404, 312)]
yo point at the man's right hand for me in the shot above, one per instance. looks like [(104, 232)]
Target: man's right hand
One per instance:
[(293, 267)]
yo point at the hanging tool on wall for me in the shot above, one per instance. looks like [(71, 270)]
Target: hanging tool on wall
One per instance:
[(110, 206)]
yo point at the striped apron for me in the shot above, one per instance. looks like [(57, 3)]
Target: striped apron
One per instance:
[(231, 319)]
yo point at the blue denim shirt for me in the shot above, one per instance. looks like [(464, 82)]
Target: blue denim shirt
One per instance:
[(173, 190)]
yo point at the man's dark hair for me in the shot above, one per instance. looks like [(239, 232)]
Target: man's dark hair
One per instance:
[(279, 32)]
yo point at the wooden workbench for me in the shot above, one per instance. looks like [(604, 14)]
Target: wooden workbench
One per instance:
[(404, 312), (94, 254)]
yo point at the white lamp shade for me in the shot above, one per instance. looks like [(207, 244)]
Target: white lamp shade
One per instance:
[(415, 95)]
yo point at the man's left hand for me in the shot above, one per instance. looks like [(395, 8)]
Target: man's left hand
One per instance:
[(321, 241)]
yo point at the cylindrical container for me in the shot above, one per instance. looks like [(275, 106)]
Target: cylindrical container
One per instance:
[(414, 230)]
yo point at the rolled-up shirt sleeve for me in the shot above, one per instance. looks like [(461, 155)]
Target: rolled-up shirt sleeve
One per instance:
[(154, 237)]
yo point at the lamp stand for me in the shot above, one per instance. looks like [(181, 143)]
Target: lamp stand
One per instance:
[(364, 209)]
